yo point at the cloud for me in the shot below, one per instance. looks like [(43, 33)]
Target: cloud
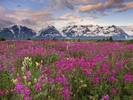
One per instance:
[(81, 1), (5, 23), (125, 7), (28, 17), (58, 4), (21, 14), (68, 16), (4, 19), (100, 6), (46, 15), (88, 5)]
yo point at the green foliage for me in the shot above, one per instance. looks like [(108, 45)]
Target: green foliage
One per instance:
[(51, 59), (6, 85), (28, 39), (5, 81), (110, 39), (2, 39), (129, 42), (77, 54)]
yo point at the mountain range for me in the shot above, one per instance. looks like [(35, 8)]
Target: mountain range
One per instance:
[(83, 32)]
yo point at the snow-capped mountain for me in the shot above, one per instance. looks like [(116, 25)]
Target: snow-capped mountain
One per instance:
[(94, 31), (49, 33), (17, 32), (50, 30), (84, 32)]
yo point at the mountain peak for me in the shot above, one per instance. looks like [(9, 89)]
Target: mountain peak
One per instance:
[(19, 32)]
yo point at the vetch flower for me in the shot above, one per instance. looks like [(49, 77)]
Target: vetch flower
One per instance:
[(27, 91), (37, 87), (2, 93), (87, 72), (114, 91), (61, 80), (19, 79), (128, 78), (96, 80), (105, 97), (66, 93), (27, 98), (42, 79), (19, 88), (28, 75), (112, 79)]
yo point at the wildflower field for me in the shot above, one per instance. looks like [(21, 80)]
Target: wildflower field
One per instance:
[(61, 70)]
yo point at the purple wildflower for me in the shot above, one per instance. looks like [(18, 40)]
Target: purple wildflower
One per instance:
[(27, 91), (128, 78), (105, 97), (2, 93), (27, 98), (28, 75), (61, 80), (19, 88), (66, 93), (37, 87)]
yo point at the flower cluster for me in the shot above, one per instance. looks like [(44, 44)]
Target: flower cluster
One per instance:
[(60, 70)]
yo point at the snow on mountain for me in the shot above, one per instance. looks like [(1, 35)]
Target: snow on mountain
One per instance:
[(85, 32), (128, 30), (94, 30), (16, 32), (49, 33)]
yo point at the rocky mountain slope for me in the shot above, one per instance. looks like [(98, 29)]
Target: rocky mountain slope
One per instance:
[(17, 32), (49, 33)]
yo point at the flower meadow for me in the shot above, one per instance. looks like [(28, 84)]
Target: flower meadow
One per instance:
[(64, 70)]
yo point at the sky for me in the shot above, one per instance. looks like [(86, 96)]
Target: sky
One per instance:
[(38, 14)]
